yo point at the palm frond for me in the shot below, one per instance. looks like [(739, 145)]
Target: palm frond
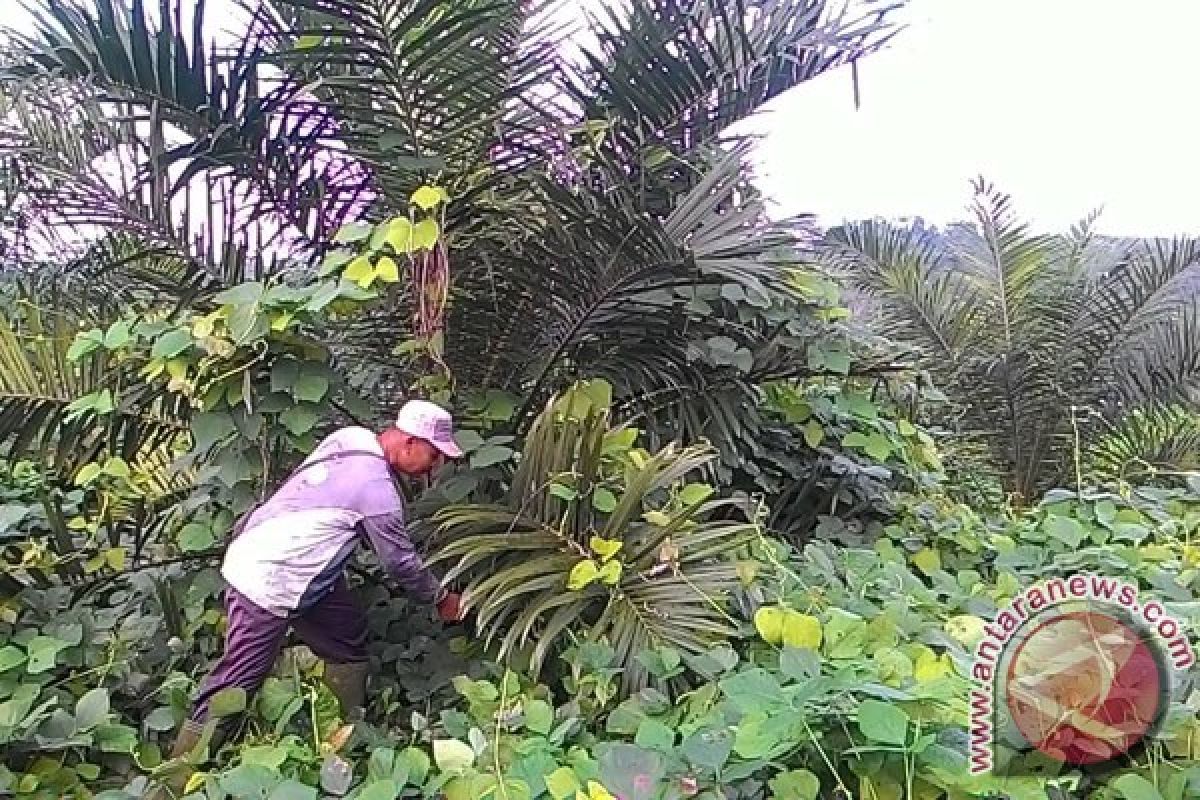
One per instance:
[(516, 559), (1145, 442), (39, 383)]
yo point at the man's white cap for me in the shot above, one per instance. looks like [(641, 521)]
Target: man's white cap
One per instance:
[(430, 422)]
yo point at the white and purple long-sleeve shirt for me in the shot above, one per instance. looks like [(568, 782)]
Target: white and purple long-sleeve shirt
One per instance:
[(294, 547)]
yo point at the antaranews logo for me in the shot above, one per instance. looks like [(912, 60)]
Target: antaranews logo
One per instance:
[(1079, 668)]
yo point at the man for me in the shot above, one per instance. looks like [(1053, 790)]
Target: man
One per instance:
[(285, 564)]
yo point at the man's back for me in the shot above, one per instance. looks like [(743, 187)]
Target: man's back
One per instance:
[(295, 546)]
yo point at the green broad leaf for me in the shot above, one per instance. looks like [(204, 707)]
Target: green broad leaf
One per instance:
[(429, 197), (1135, 787), (655, 735), (563, 492), (425, 234), (468, 440), (799, 664), (43, 653), (211, 427), (709, 748), (381, 790), (845, 634), (753, 690), (418, 765), (335, 260), (171, 343), (1106, 512), (354, 232), (695, 493), (489, 455), (244, 294), (115, 738), (837, 361), (11, 657), (85, 343), (161, 719), (88, 473), (1067, 530), (284, 373), (882, 722), (92, 709), (583, 575), (453, 756), (799, 784), (195, 537), (753, 738), (265, 755), (117, 335), (814, 434), (15, 709), (906, 428), (604, 501), (227, 703), (116, 467), (539, 716), (249, 780), (324, 294), (299, 420), (293, 790), (562, 784), (878, 446), (247, 324), (310, 387), (855, 439)]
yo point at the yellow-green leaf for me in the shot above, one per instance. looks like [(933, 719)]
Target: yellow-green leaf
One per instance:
[(927, 560), (605, 548), (452, 756), (428, 197), (361, 271), (425, 234), (768, 621), (387, 270), (929, 666), (906, 428), (115, 557), (814, 434), (659, 518), (582, 575), (400, 235), (967, 629), (610, 573), (801, 630), (562, 783), (598, 792), (194, 782)]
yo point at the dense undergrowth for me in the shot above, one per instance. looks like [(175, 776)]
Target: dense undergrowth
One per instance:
[(842, 668), (717, 538)]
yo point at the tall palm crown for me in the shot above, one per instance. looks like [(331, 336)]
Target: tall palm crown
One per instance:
[(1041, 341), (596, 212)]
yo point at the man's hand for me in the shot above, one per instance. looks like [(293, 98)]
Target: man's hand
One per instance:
[(450, 608)]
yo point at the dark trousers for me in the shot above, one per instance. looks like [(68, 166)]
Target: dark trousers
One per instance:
[(335, 629)]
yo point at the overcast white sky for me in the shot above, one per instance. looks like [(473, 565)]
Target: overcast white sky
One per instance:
[(1068, 105)]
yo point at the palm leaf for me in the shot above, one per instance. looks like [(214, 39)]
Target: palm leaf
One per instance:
[(516, 559)]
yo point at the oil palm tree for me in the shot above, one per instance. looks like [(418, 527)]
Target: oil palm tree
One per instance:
[(1043, 343), (591, 200)]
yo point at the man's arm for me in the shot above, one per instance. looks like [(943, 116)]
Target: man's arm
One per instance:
[(388, 537)]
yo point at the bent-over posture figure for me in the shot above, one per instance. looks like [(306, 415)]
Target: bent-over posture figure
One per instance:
[(284, 567)]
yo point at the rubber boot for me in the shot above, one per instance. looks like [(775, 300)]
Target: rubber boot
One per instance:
[(190, 735), (348, 682)]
